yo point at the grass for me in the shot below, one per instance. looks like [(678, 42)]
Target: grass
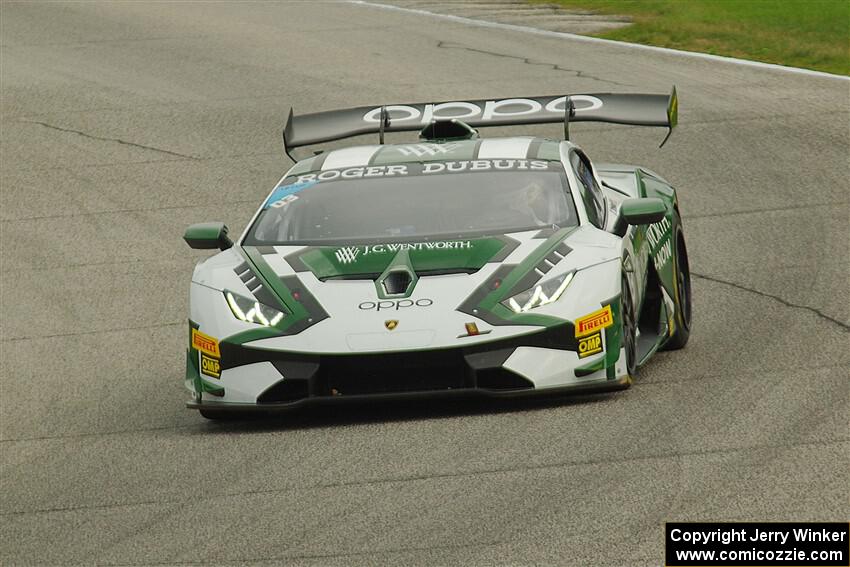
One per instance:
[(813, 34)]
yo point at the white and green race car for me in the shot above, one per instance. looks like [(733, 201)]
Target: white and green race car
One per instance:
[(454, 265)]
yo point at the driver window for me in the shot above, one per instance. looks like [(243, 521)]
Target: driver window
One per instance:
[(592, 197)]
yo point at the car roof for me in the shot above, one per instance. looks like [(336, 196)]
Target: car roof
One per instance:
[(428, 151)]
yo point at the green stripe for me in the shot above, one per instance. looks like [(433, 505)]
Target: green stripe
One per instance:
[(493, 301), (640, 185), (296, 310), (212, 389), (613, 338), (589, 369), (456, 254)]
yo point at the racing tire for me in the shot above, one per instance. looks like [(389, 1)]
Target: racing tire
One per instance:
[(629, 328), (682, 284)]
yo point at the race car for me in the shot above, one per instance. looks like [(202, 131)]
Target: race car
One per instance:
[(452, 265)]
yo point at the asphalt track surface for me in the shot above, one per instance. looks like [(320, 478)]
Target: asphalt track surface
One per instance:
[(124, 122)]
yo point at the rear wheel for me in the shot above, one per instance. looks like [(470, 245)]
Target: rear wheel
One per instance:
[(683, 296), (629, 327)]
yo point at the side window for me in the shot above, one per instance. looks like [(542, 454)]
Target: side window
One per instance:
[(594, 200)]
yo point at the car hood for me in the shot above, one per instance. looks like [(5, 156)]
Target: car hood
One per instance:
[(334, 293)]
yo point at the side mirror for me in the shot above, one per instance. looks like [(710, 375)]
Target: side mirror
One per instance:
[(208, 236), (643, 211)]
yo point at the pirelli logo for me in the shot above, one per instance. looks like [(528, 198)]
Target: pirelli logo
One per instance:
[(205, 343), (596, 321)]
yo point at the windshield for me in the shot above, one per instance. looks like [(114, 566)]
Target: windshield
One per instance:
[(415, 200)]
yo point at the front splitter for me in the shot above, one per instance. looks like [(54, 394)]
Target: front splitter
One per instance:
[(589, 388)]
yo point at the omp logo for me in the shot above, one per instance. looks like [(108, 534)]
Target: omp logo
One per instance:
[(420, 150), (594, 322), (590, 345), (205, 343), (210, 366), (347, 255), (491, 109)]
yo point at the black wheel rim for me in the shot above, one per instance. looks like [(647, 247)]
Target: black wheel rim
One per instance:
[(684, 283), (629, 328)]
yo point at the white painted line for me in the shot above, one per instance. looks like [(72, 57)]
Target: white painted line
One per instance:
[(588, 39)]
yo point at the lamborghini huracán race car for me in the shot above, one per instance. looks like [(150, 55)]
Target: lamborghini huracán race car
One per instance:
[(454, 265)]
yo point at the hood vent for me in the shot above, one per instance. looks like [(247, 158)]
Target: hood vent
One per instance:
[(445, 130), (397, 282)]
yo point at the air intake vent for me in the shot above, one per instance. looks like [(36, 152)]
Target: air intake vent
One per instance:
[(397, 282), (448, 130)]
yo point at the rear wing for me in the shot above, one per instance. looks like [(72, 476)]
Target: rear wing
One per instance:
[(616, 108)]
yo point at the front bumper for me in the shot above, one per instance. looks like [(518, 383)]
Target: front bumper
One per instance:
[(492, 369)]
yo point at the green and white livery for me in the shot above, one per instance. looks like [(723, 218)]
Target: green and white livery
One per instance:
[(453, 265)]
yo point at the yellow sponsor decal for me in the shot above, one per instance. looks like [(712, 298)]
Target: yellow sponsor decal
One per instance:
[(205, 343), (590, 345), (210, 366), (596, 321)]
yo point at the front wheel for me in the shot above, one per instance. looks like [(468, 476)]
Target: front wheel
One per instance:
[(682, 331), (629, 328)]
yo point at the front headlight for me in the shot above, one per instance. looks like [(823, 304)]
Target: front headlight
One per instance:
[(542, 294), (251, 311)]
